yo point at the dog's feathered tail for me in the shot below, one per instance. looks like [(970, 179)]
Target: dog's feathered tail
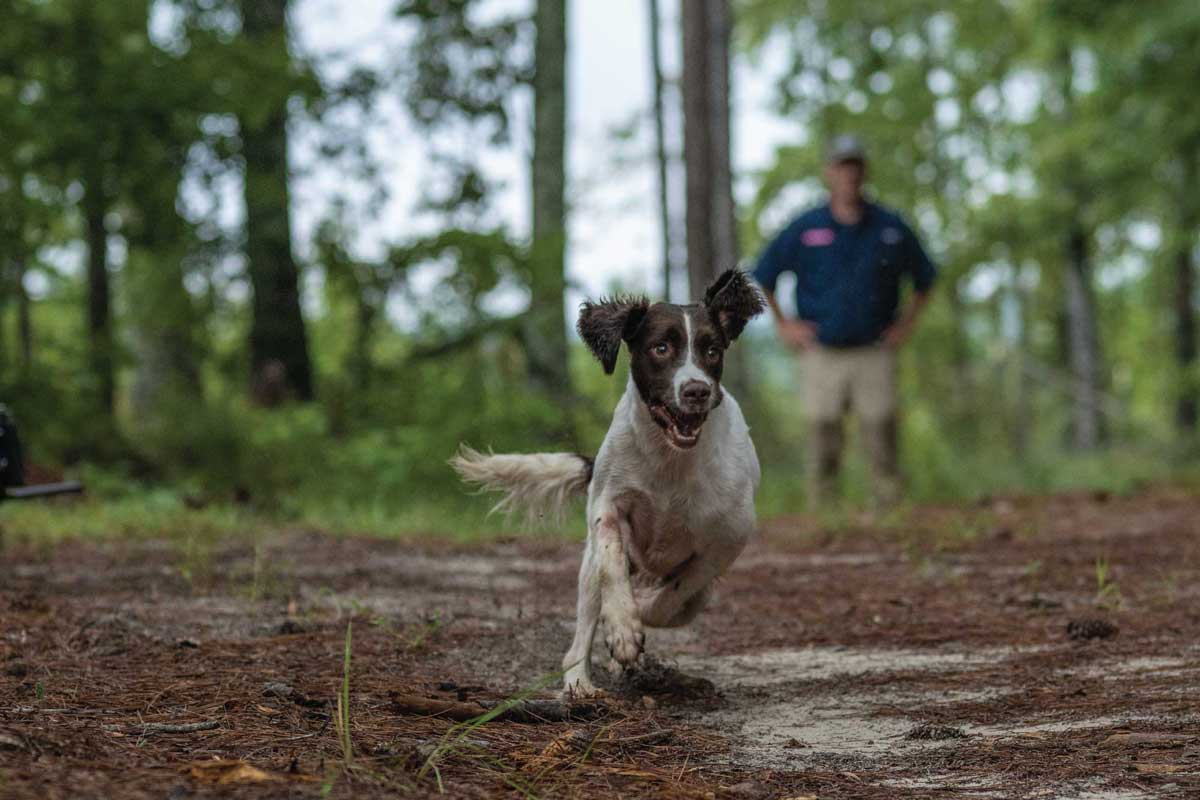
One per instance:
[(542, 484)]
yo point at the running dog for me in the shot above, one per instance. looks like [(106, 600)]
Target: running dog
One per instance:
[(670, 495)]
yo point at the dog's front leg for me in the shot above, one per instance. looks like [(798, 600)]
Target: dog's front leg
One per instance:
[(623, 627), (577, 664)]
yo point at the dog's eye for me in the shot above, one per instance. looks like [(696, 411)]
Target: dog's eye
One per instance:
[(713, 352), (661, 349)]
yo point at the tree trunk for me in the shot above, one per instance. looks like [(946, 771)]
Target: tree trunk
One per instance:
[(24, 321), (1087, 428), (711, 231), (95, 208), (160, 313), (711, 226), (545, 336), (1187, 404), (4, 294), (660, 150), (99, 303), (964, 411), (279, 357), (364, 327), (163, 320), (1022, 427)]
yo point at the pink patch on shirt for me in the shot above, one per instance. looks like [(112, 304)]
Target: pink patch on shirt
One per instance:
[(817, 237)]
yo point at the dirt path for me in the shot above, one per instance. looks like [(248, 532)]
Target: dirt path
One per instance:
[(932, 656)]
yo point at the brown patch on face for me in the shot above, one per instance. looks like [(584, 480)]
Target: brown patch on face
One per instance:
[(677, 353), (607, 323), (733, 300), (676, 360)]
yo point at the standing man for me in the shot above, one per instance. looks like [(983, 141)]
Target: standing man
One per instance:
[(849, 257)]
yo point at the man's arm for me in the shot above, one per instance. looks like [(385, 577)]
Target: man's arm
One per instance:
[(899, 331), (924, 275), (780, 254), (798, 333)]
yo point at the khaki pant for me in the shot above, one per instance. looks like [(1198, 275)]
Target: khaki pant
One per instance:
[(861, 380)]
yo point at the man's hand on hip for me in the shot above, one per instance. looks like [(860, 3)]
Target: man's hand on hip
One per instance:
[(897, 334), (798, 334), (902, 329)]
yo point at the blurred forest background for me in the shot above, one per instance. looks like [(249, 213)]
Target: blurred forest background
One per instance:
[(166, 332)]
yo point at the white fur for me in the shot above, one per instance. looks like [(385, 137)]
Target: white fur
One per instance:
[(690, 371), (702, 502), (541, 483), (706, 493)]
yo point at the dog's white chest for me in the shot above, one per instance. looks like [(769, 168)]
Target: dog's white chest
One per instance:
[(665, 533)]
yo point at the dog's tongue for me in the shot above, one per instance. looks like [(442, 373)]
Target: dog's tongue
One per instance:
[(683, 428)]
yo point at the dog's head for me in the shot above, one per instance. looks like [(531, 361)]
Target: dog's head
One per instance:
[(676, 352)]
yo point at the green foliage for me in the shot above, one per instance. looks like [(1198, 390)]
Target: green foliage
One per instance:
[(994, 125)]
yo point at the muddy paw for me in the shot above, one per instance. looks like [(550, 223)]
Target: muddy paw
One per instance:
[(580, 689), (625, 642)]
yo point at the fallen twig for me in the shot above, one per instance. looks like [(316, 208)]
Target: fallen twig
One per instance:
[(524, 711), (285, 692), (654, 737), (190, 727), (77, 711)]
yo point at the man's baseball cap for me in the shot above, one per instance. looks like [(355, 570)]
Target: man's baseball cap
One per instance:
[(845, 147)]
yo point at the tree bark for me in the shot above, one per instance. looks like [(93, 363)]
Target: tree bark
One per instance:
[(361, 366), (1087, 426), (1187, 404), (279, 357), (710, 221), (1022, 427), (697, 145), (660, 150), (545, 337), (99, 298), (24, 320), (5, 277), (1082, 334), (711, 227), (161, 314), (163, 321), (95, 208)]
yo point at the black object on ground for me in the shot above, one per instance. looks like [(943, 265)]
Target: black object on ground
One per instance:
[(1090, 629), (12, 467)]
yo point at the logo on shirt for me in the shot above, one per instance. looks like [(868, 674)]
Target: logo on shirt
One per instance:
[(817, 237), (890, 236)]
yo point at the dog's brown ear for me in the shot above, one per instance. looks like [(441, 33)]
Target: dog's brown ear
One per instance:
[(607, 323), (734, 300)]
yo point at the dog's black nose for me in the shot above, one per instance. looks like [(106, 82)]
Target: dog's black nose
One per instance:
[(695, 393)]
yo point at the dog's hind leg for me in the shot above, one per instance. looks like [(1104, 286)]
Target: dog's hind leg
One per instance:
[(577, 664), (685, 613), (678, 602)]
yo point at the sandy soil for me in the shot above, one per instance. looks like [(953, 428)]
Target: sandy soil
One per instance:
[(1018, 648)]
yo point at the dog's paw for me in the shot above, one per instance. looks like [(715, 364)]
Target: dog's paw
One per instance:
[(580, 688), (625, 641)]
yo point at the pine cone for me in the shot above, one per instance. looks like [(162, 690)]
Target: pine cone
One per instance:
[(1090, 629)]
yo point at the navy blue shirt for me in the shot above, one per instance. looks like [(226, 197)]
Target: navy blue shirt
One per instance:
[(847, 276)]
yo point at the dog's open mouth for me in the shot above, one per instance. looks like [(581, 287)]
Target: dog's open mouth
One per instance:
[(683, 430)]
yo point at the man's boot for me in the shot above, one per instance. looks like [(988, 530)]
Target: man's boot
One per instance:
[(824, 461), (881, 443)]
